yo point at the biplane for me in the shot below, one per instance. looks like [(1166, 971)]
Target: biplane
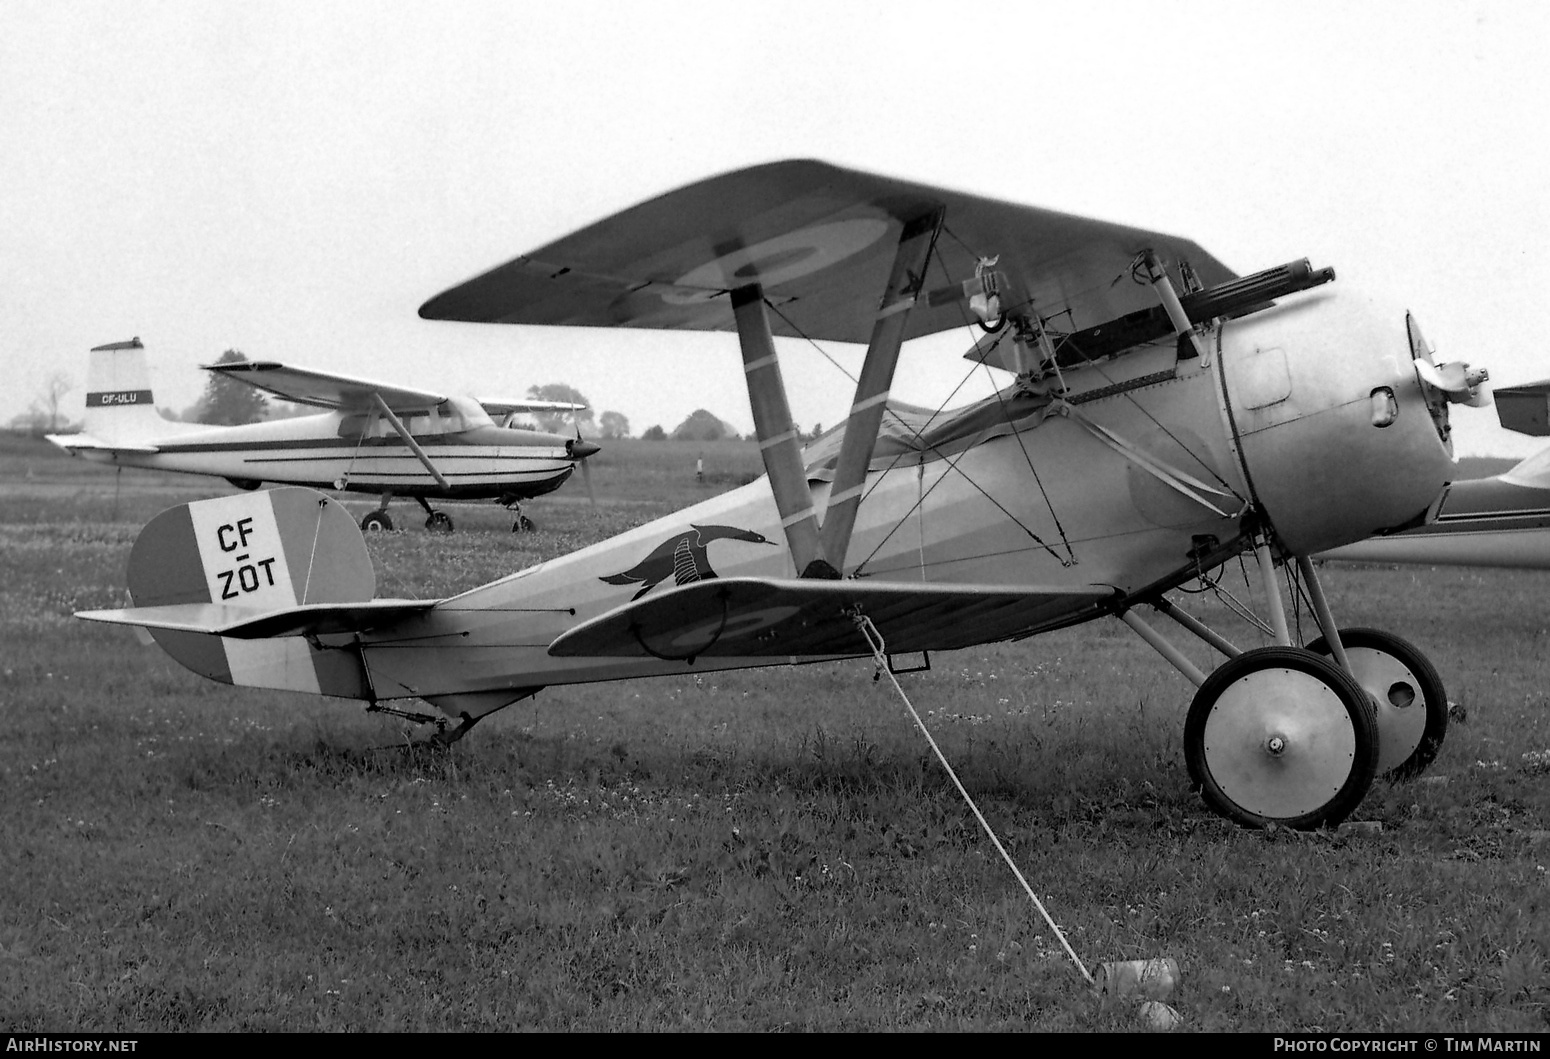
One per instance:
[(375, 438), (1162, 416), (1503, 520)]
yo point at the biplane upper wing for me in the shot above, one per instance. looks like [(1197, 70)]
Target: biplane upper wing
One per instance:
[(820, 240), (325, 389), (747, 617)]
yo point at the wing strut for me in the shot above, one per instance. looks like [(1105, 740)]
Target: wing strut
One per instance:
[(778, 443), (819, 551), (882, 355), (1171, 304), (414, 446)]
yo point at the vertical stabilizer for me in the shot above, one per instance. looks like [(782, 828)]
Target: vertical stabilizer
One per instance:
[(119, 406), (272, 549)]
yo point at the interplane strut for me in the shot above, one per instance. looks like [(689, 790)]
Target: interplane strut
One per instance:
[(818, 548)]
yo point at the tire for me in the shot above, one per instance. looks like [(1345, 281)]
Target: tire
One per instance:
[(439, 522), (523, 524), (1411, 701), (1279, 735), (376, 522)]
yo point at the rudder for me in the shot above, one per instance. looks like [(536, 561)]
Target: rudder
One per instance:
[(265, 550)]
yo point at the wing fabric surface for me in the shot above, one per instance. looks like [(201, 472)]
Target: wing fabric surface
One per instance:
[(821, 241), (756, 617), (324, 389)]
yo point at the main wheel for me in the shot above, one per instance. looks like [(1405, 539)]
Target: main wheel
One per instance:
[(375, 521), (439, 522), (1279, 735), (523, 524), (1412, 704)]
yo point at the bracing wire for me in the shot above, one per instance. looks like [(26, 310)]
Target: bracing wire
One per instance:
[(952, 463)]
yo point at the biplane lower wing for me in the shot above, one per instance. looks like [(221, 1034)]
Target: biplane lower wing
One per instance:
[(245, 623), (757, 617)]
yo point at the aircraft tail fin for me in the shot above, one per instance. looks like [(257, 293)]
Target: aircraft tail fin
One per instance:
[(272, 569), (119, 404)]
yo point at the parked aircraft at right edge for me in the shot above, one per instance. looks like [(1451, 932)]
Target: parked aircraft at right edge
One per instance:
[(1498, 521)]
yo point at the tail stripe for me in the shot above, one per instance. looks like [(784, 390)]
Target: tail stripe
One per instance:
[(113, 398)]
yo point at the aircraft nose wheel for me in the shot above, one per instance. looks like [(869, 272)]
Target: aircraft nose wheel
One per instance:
[(1279, 735), (376, 522), (523, 524), (439, 522), (1412, 704)]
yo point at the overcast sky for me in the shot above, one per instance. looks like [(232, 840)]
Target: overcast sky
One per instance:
[(295, 179)]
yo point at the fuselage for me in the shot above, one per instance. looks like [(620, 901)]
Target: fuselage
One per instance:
[(478, 461), (1145, 465)]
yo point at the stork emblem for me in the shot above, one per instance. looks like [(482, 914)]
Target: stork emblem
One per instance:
[(682, 556)]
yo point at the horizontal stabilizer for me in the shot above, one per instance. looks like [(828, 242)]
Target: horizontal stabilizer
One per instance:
[(77, 442), (246, 623), (756, 617), (230, 586)]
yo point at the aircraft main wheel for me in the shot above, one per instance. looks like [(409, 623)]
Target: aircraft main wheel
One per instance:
[(1279, 735), (523, 524), (376, 521), (1412, 704), (439, 522)]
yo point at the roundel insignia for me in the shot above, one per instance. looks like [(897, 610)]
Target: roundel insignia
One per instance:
[(778, 260), (743, 625)]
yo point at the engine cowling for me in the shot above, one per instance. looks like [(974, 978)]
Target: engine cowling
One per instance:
[(1331, 421)]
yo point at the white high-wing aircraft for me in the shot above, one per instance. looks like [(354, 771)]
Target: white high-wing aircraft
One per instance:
[(1180, 417), (377, 438), (1503, 520)]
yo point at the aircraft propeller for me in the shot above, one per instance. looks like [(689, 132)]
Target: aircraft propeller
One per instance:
[(579, 450), (1457, 381)]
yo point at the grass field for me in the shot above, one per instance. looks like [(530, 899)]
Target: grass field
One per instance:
[(759, 850)]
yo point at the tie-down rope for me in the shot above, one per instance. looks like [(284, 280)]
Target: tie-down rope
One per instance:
[(874, 640)]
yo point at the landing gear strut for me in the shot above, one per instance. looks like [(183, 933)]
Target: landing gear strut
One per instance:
[(435, 521), (1294, 736), (521, 524)]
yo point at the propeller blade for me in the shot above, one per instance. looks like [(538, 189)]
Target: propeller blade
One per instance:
[(579, 450), (1462, 384)]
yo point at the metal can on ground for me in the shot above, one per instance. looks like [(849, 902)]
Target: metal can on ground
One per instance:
[(1138, 979)]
